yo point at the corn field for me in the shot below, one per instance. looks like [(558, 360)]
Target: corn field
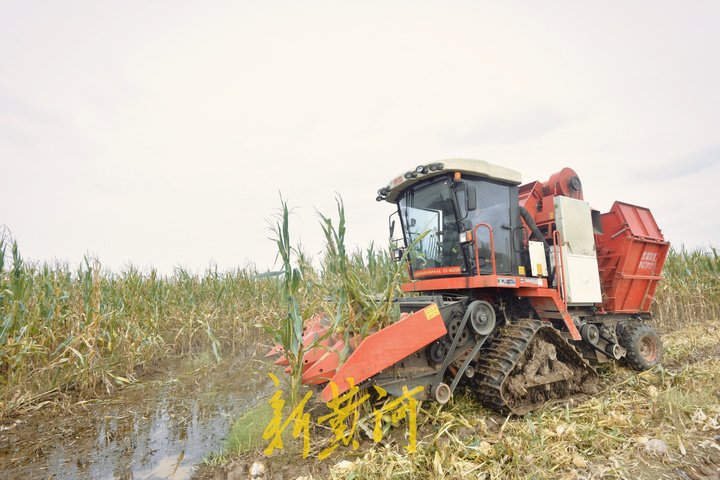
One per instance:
[(81, 331), (75, 333), (690, 292), (68, 334)]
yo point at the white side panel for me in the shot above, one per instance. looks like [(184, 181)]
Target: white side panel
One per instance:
[(582, 279), (538, 265)]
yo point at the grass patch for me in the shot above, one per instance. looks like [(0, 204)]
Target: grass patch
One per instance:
[(246, 433)]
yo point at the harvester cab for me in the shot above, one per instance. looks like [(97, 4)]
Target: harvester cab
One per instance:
[(521, 288), (460, 217)]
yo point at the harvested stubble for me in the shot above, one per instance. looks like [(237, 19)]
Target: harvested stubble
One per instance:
[(605, 437), (608, 435)]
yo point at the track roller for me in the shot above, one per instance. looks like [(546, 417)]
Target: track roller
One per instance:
[(530, 364)]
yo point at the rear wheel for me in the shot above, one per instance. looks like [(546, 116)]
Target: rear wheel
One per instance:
[(643, 345)]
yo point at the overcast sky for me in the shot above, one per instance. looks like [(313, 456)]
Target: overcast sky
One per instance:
[(161, 133)]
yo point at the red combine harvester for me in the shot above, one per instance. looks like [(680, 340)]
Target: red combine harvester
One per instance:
[(522, 288)]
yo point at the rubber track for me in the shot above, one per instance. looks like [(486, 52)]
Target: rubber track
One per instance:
[(499, 360)]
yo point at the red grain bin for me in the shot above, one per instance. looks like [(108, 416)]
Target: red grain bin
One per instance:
[(631, 254)]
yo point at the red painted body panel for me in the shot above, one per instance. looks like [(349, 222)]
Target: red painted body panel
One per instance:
[(323, 369), (537, 196), (309, 338), (386, 347), (312, 324), (484, 281), (548, 305)]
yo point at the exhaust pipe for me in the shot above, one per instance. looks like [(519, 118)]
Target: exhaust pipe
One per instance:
[(530, 221)]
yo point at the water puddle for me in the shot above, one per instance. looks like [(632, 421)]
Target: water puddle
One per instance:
[(159, 430)]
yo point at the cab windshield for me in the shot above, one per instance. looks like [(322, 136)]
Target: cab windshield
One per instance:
[(430, 223)]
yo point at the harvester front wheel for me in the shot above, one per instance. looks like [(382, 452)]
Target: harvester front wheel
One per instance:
[(643, 345)]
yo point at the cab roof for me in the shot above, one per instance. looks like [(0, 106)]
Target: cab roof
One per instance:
[(464, 166)]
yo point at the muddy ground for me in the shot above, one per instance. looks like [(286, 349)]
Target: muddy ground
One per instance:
[(129, 435), (291, 466), (177, 415), (696, 464), (695, 456)]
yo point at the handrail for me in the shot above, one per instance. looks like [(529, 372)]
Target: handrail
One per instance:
[(557, 249), (492, 248)]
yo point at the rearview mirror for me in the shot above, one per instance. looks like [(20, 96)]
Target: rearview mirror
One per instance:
[(466, 198), (392, 220), (471, 199)]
